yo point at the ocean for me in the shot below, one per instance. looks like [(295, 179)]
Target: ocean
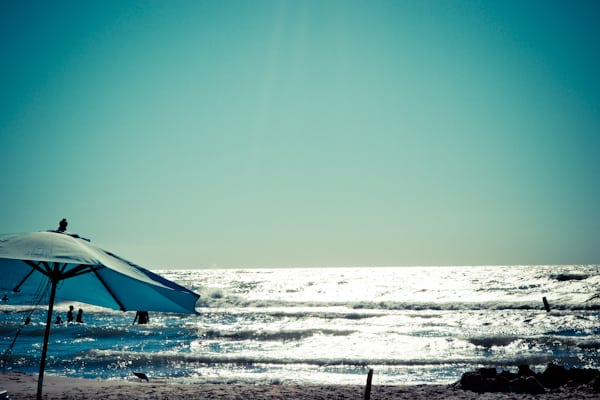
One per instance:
[(411, 325)]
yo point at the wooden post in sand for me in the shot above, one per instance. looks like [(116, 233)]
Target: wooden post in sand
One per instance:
[(546, 305), (368, 388)]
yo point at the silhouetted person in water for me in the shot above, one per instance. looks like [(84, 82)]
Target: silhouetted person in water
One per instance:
[(79, 317), (70, 314), (58, 320), (62, 225), (141, 317)]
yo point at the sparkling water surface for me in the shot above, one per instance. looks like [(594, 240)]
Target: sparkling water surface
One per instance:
[(328, 325)]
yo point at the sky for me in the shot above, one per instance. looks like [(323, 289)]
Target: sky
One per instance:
[(184, 134)]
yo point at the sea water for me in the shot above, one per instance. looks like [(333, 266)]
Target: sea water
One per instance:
[(411, 325)]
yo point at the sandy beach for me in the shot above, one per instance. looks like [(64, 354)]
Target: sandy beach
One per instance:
[(23, 386)]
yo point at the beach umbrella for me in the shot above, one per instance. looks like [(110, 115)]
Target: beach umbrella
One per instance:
[(71, 268)]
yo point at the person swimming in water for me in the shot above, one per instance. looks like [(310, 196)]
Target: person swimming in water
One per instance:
[(70, 314), (79, 317), (141, 317)]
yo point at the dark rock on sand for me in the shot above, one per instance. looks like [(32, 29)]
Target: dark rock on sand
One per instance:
[(553, 376), (596, 384), (527, 381), (528, 385), (524, 370)]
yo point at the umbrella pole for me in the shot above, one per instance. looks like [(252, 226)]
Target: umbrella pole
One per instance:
[(46, 337)]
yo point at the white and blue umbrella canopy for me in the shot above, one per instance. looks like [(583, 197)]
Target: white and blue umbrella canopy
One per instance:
[(86, 273), (71, 268)]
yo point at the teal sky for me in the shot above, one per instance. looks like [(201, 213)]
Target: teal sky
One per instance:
[(305, 133)]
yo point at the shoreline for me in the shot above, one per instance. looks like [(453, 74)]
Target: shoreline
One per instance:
[(21, 386)]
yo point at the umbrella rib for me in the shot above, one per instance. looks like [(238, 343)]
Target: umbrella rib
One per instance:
[(108, 289), (81, 269), (62, 269), (34, 267)]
